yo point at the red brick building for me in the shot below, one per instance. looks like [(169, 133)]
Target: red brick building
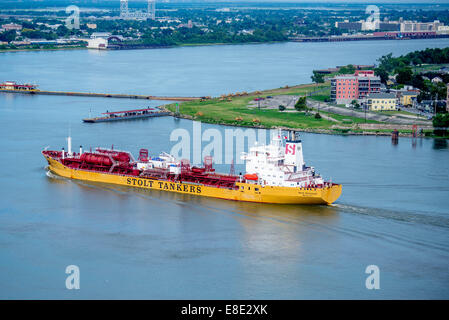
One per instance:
[(346, 88)]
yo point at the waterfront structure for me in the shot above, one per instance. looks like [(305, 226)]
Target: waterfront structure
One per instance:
[(100, 35), (11, 26), (443, 30), (97, 43), (381, 102), (346, 88), (11, 85), (389, 26), (396, 27), (350, 26), (128, 115), (101, 40), (126, 14), (407, 98), (275, 173), (413, 26)]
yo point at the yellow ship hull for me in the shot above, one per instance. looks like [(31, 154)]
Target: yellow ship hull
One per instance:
[(246, 192)]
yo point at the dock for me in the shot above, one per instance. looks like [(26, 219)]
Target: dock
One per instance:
[(102, 95)]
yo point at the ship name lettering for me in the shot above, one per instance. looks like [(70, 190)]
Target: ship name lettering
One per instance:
[(172, 186), (128, 181), (198, 189), (185, 188), (192, 189), (160, 185), (166, 186), (178, 187), (140, 182)]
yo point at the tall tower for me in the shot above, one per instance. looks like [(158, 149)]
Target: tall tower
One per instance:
[(124, 9), (152, 9)]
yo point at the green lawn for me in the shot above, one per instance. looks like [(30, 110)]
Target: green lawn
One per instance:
[(429, 67), (237, 113)]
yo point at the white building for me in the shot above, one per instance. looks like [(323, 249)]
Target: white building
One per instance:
[(443, 30), (412, 26), (97, 43)]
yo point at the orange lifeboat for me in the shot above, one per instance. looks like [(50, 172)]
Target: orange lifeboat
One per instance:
[(251, 177)]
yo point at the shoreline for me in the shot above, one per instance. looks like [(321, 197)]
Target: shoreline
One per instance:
[(311, 130), (41, 49), (206, 44), (144, 48), (198, 116)]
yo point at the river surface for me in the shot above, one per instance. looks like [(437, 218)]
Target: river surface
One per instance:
[(393, 213)]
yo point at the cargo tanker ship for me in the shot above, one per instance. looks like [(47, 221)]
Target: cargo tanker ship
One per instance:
[(275, 173)]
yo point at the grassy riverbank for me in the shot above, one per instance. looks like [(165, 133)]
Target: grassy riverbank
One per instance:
[(53, 48), (236, 110)]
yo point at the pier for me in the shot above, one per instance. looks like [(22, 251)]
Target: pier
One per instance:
[(379, 36), (102, 95)]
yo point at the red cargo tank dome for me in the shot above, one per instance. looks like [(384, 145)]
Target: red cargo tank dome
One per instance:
[(121, 157), (96, 159)]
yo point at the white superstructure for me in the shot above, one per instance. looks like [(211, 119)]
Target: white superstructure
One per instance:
[(164, 161), (279, 165)]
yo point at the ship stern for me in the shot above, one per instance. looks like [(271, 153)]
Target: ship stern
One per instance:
[(331, 194)]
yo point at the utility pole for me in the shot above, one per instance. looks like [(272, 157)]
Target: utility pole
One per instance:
[(364, 107)]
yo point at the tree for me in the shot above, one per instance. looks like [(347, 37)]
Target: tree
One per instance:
[(386, 62), (349, 69), (439, 89), (441, 123), (317, 115), (281, 107), (317, 77), (382, 73), (355, 104), (418, 81), (301, 105), (404, 75), (8, 36)]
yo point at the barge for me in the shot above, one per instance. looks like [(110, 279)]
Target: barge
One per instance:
[(128, 115)]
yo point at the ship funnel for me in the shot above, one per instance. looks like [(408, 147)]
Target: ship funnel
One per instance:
[(81, 150), (63, 153), (293, 151)]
